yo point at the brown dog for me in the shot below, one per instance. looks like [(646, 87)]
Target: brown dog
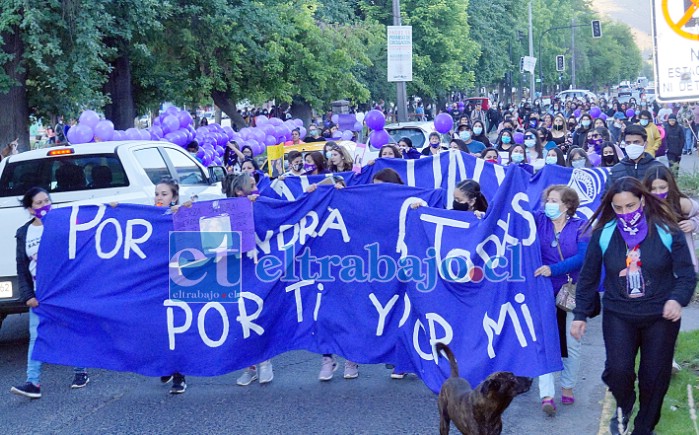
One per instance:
[(476, 411)]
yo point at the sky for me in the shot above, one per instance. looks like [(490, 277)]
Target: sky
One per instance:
[(635, 13)]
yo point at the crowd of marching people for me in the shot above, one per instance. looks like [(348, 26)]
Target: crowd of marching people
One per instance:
[(642, 212)]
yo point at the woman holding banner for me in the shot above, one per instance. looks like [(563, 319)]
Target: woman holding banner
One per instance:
[(518, 156), (649, 277), (38, 204), (563, 246)]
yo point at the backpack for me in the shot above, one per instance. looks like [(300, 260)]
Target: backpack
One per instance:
[(608, 230)]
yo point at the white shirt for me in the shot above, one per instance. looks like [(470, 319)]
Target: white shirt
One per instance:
[(663, 114), (34, 234)]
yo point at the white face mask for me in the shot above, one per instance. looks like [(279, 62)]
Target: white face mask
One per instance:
[(634, 151)]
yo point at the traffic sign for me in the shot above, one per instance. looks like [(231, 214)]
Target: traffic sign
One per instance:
[(676, 50), (560, 63)]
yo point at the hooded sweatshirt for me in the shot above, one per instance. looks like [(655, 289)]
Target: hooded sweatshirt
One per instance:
[(628, 168)]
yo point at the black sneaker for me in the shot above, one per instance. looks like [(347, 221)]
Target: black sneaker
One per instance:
[(80, 380), (614, 425), (27, 390), (165, 379), (178, 385)]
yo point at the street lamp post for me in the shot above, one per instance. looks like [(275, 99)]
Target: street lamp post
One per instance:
[(401, 93)]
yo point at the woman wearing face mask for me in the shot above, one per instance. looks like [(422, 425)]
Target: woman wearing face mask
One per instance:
[(559, 132), (232, 157), (517, 156), (616, 127), (314, 163), (577, 159), (388, 151), (327, 148), (532, 122), (468, 197), (490, 155), (563, 242), (554, 156), (37, 203), (610, 155), (244, 186), (479, 135), (250, 167), (295, 160), (340, 159), (505, 141), (534, 149), (599, 123), (649, 277), (406, 147), (660, 182), (580, 135), (434, 147), (547, 121), (673, 141), (653, 134)]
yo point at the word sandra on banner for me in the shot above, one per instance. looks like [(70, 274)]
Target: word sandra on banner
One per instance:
[(355, 272)]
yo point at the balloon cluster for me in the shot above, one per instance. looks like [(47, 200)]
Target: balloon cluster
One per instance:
[(90, 128), (376, 120)]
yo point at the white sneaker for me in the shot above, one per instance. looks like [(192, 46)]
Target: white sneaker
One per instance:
[(351, 370), (675, 367), (248, 377), (266, 372), (327, 368)]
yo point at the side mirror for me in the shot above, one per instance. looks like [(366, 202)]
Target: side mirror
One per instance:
[(216, 174)]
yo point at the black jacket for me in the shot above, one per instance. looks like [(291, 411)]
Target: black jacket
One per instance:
[(628, 168), (667, 275), (26, 282), (674, 139)]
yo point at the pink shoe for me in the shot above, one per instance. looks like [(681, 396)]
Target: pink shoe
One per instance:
[(548, 407), (567, 400)]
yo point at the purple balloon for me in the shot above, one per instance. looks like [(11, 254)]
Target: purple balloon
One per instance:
[(630, 113), (158, 131), (206, 160), (298, 122), (375, 120), (379, 138), (282, 130), (104, 130), (576, 113), (335, 118), (595, 158), (89, 118), (217, 161), (270, 140), (443, 123), (80, 134), (154, 136), (170, 124), (219, 150), (595, 112), (145, 135), (276, 121), (157, 121), (201, 153), (261, 120), (258, 149), (347, 135), (303, 132), (171, 137), (203, 130), (357, 126), (603, 116), (267, 128), (185, 118), (518, 137), (118, 135), (172, 110), (132, 134)]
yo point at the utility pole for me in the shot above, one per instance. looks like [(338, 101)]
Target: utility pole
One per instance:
[(532, 82), (401, 93), (572, 49)]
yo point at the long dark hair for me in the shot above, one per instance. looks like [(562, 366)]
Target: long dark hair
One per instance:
[(472, 189), (673, 192), (28, 198), (657, 211), (388, 175), (319, 160)]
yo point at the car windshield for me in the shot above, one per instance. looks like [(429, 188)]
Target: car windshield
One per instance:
[(63, 174), (414, 134)]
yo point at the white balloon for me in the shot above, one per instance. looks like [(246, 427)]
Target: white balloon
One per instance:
[(360, 116)]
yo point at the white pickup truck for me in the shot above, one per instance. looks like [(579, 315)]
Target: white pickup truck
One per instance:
[(124, 172)]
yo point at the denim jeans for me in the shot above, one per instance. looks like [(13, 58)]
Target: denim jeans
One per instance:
[(571, 366), (688, 140), (33, 366)]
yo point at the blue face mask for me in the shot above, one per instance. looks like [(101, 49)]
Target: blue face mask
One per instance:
[(477, 130), (517, 157), (551, 160), (644, 122), (465, 136), (328, 155), (506, 139), (552, 210), (578, 164)]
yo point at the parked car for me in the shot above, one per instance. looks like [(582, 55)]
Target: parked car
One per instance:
[(128, 173), (417, 132), (624, 91), (579, 94)]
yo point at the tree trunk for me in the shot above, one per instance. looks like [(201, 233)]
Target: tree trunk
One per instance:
[(228, 106), (302, 110), (122, 109), (217, 115), (14, 122)]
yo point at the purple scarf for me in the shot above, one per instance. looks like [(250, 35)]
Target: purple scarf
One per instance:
[(633, 227)]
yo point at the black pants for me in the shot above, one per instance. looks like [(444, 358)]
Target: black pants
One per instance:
[(622, 338)]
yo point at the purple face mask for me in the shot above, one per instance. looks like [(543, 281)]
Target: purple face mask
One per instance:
[(309, 167), (254, 192), (41, 212), (633, 227), (661, 195)]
